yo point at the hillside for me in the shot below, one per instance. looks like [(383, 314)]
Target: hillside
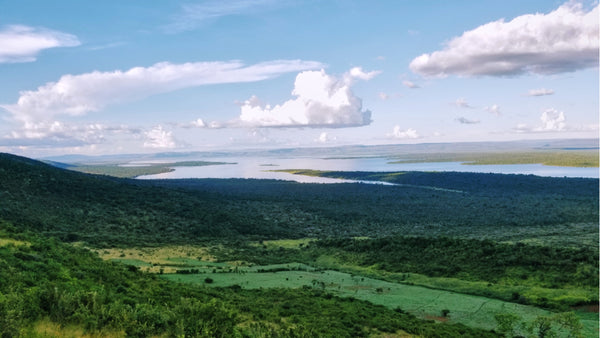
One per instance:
[(541, 250), (106, 211)]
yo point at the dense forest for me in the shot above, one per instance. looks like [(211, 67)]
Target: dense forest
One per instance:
[(105, 211), (519, 236)]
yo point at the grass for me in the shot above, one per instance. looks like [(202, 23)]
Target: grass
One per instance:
[(565, 158), (10, 241), (426, 303), (45, 328), (124, 171), (426, 300), (167, 258)]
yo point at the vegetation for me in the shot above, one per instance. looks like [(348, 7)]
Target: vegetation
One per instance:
[(47, 282), (564, 158), (109, 212), (521, 239), (136, 170)]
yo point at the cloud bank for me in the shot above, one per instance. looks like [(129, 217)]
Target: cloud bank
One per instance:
[(321, 100), (90, 92), (20, 43), (563, 40)]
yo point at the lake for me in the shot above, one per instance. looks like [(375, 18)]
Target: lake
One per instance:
[(259, 167)]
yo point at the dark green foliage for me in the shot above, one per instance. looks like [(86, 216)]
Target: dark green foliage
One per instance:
[(43, 278), (471, 259), (106, 211)]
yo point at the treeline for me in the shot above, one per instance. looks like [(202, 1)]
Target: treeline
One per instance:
[(110, 212), (43, 279), (513, 272), (478, 260)]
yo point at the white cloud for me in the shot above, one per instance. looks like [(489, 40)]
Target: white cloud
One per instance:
[(462, 103), (325, 138), (404, 134), (80, 94), (464, 120), (383, 96), (540, 92), (493, 109), (552, 120), (563, 40), (320, 100), (159, 138), (20, 43), (62, 134), (358, 73)]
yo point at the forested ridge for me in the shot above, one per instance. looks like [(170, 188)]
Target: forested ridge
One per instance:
[(106, 211)]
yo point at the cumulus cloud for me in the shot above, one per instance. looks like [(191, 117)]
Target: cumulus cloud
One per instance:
[(404, 134), (462, 103), (563, 40), (20, 43), (464, 120), (551, 119), (321, 100), (493, 109), (89, 92), (158, 138), (540, 92)]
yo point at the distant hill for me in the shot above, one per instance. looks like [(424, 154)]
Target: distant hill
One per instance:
[(391, 150)]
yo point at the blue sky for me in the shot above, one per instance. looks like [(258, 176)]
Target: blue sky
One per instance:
[(106, 77)]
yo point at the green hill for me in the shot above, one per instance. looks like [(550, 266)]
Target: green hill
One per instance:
[(106, 211)]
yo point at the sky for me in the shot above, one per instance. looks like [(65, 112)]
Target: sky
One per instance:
[(113, 77)]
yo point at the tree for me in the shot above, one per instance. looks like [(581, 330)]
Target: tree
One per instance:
[(507, 323)]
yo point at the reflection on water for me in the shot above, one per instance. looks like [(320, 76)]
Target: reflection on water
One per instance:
[(259, 167)]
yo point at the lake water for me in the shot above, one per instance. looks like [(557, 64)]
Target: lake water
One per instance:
[(259, 167)]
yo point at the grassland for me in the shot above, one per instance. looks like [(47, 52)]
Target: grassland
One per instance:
[(124, 170), (564, 158), (426, 300)]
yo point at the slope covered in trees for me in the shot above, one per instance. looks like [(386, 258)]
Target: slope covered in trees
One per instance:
[(105, 211)]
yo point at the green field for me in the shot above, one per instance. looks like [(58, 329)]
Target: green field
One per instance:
[(424, 302), (564, 158), (125, 170)]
